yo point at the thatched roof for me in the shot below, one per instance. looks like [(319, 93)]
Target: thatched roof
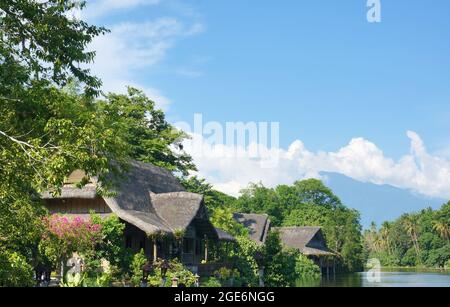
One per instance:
[(225, 236), (257, 224), (150, 198), (71, 191), (308, 240)]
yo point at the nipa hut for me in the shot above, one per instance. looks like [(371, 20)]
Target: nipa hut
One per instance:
[(155, 208)]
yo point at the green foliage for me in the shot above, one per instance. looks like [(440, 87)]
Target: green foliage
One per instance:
[(75, 280), (45, 132), (211, 282), (280, 263), (176, 270), (149, 137), (220, 206), (138, 262), (14, 270), (243, 258), (40, 41), (111, 246), (227, 276), (417, 239), (100, 280), (306, 269), (310, 203)]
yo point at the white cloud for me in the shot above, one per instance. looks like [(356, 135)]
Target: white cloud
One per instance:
[(361, 160), (131, 49)]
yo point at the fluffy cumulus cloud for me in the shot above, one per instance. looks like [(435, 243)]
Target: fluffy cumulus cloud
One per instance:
[(230, 169)]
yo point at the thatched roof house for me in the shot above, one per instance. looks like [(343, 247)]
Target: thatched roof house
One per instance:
[(149, 197), (150, 200), (257, 224), (308, 240)]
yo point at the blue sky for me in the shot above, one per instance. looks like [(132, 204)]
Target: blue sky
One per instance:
[(316, 66)]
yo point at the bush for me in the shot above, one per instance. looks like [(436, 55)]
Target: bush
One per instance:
[(139, 260), (211, 282), (279, 263), (306, 269), (227, 276), (243, 258), (176, 270), (15, 271), (112, 246)]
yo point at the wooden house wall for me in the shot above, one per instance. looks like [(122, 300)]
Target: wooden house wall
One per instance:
[(77, 206)]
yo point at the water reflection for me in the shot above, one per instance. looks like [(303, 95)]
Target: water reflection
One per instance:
[(389, 278)]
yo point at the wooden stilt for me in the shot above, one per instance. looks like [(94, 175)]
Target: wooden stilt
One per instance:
[(206, 250), (155, 250)]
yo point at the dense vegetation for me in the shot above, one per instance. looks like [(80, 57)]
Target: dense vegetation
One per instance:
[(283, 267), (53, 122), (413, 240), (310, 203)]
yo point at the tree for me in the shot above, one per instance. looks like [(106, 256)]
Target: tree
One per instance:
[(40, 42), (315, 192), (309, 203), (443, 228), (413, 239), (220, 206), (145, 131), (45, 131), (410, 222)]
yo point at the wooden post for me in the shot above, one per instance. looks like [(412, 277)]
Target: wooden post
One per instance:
[(206, 250), (155, 250)]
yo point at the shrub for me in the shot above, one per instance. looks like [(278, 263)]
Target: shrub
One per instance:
[(306, 269), (176, 270), (211, 282), (227, 276), (15, 271), (139, 260), (111, 246), (242, 257)]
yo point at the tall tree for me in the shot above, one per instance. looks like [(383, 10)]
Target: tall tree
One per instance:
[(45, 132), (144, 129), (411, 224)]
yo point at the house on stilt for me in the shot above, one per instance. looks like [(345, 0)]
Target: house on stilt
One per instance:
[(307, 240), (310, 241)]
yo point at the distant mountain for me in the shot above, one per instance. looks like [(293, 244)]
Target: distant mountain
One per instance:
[(377, 203)]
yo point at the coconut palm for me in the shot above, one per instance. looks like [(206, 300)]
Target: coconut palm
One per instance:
[(442, 228), (385, 233), (411, 225)]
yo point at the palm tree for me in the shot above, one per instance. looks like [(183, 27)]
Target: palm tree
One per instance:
[(442, 228), (411, 224), (385, 233)]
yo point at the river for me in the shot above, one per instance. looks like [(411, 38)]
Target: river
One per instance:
[(388, 278)]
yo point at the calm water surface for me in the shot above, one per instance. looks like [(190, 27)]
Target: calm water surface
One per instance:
[(389, 278)]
